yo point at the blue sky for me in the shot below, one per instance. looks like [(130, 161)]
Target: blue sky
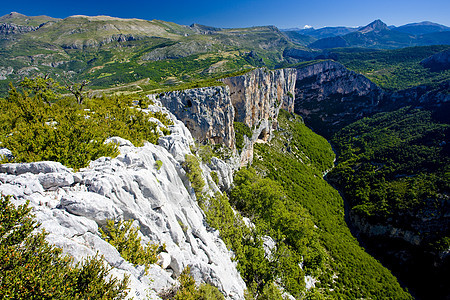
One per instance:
[(245, 13)]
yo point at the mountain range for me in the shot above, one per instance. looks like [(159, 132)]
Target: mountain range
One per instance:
[(151, 55), (374, 35)]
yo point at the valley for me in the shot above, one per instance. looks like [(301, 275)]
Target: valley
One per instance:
[(232, 150)]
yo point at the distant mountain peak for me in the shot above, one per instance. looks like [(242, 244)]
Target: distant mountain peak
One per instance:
[(15, 14), (375, 26)]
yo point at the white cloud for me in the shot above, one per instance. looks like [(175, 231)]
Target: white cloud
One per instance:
[(307, 27)]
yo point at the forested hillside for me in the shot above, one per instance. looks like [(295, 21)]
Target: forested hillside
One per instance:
[(393, 170), (296, 159), (394, 69)]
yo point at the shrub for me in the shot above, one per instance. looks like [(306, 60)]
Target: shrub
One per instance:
[(215, 177), (189, 291), (205, 152), (33, 269), (159, 164), (38, 123), (194, 174), (125, 238), (241, 129)]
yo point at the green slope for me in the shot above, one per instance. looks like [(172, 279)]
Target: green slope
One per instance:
[(394, 69), (393, 169), (111, 51), (297, 158)]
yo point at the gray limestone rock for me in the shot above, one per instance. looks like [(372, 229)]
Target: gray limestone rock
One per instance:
[(224, 173), (257, 98), (34, 168), (71, 206), (207, 112)]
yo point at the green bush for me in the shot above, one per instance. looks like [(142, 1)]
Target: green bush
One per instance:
[(38, 123), (188, 290), (33, 269), (194, 173), (241, 129), (125, 238), (159, 164), (215, 177)]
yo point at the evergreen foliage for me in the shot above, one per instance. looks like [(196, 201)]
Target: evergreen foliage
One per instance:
[(296, 160), (241, 129), (194, 174), (188, 290), (257, 270), (30, 268), (393, 164), (124, 237), (38, 123)]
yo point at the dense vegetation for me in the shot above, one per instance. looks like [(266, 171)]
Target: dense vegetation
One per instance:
[(260, 270), (33, 269), (394, 165), (284, 196), (38, 123), (394, 69), (393, 170), (296, 159)]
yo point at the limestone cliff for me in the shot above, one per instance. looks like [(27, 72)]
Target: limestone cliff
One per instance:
[(329, 95), (259, 94), (146, 184), (207, 112), (254, 98), (257, 98)]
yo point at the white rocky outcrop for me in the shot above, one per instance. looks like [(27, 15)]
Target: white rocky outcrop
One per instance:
[(72, 205)]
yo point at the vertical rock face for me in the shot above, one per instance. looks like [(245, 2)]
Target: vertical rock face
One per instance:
[(259, 94), (257, 98), (329, 95), (254, 99), (207, 112)]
